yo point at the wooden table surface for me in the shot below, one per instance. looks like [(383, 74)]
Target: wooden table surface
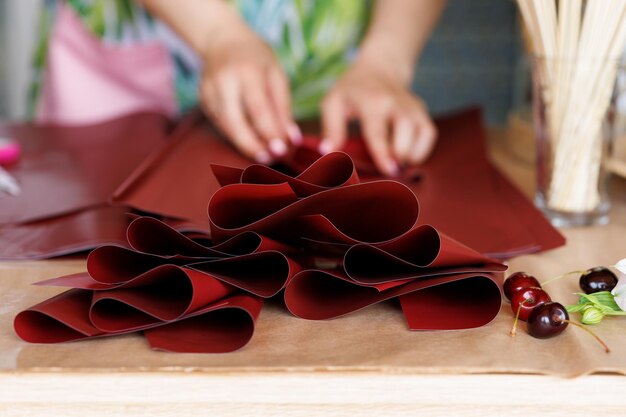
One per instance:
[(366, 363)]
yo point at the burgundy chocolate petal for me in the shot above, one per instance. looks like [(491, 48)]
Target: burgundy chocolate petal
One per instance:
[(116, 265), (320, 295), (463, 304), (150, 235), (226, 175), (223, 327), (386, 209), (263, 273), (422, 252), (163, 294), (329, 171), (62, 318)]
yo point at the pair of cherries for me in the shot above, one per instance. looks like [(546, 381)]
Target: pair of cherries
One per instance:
[(544, 317)]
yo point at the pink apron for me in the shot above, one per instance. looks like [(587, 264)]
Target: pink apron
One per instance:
[(88, 81)]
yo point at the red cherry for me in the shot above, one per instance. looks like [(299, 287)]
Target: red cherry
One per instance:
[(550, 319), (547, 320), (597, 279), (518, 281), (525, 300)]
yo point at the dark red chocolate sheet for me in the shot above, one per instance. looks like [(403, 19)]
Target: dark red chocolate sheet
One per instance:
[(69, 169), (460, 193)]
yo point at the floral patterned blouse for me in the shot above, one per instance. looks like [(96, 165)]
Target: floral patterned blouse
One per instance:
[(314, 41)]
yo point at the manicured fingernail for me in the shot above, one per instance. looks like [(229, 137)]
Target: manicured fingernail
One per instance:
[(294, 133), (392, 168), (278, 147), (263, 157), (325, 147)]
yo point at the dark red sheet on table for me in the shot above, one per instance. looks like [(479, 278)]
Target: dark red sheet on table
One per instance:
[(73, 233), (67, 175), (459, 190), (67, 169), (64, 234), (332, 243)]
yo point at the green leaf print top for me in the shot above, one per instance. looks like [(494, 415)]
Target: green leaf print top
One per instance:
[(314, 41)]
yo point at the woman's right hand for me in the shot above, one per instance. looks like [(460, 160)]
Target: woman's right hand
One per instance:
[(246, 93)]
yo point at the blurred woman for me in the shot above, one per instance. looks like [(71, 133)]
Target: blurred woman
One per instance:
[(254, 66)]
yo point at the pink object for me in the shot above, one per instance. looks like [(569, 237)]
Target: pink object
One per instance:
[(10, 151), (89, 81)]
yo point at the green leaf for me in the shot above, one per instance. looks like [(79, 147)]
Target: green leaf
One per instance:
[(603, 299), (575, 308)]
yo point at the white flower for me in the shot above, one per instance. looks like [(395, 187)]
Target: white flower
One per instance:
[(621, 266), (619, 292)]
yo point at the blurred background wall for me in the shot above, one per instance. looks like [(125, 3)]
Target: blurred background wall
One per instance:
[(18, 31), (472, 57)]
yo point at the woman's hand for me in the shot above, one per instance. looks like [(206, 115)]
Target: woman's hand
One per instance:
[(395, 123), (245, 91), (375, 91), (243, 88)]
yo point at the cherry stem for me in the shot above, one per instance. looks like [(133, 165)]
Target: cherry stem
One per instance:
[(519, 309), (562, 276), (604, 345)]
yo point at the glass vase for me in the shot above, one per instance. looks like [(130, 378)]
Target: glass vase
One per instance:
[(574, 128)]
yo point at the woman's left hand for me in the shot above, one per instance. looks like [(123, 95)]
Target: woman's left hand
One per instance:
[(395, 123)]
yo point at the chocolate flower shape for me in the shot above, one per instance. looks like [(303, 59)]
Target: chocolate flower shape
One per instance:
[(333, 244)]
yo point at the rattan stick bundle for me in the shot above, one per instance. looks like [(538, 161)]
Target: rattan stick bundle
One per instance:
[(577, 44)]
